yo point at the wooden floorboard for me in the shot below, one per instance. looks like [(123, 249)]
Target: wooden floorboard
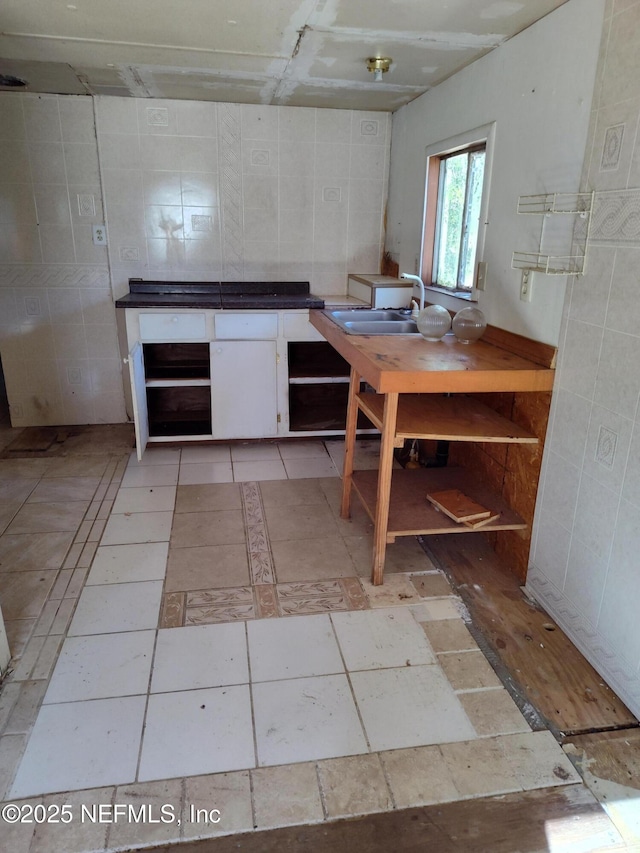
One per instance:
[(565, 819), (543, 663), (609, 756)]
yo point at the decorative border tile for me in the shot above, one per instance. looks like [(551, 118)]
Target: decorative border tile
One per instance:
[(258, 547), (612, 147), (616, 217), (172, 611)]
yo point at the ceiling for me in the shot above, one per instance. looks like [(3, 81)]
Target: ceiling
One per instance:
[(290, 52)]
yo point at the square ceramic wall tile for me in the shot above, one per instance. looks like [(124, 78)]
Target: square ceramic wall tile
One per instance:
[(306, 719), (102, 666), (200, 656), (418, 696), (292, 648), (137, 527), (197, 731), (129, 563), (81, 745), (373, 639), (117, 607)]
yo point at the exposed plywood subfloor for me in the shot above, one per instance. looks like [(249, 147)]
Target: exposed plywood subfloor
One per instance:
[(567, 819), (548, 670)]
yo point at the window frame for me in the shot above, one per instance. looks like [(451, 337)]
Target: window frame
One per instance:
[(435, 154)]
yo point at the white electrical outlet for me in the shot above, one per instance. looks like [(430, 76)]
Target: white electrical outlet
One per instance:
[(99, 235), (526, 285)]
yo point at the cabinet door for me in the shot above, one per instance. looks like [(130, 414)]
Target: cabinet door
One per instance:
[(243, 389), (139, 396)]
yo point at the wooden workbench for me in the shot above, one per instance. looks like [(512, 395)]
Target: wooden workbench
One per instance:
[(411, 378)]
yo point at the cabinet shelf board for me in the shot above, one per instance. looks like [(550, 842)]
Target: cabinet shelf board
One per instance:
[(178, 383), (456, 418), (411, 514), (318, 380)]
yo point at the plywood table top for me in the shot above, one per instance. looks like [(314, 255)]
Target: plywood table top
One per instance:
[(408, 364)]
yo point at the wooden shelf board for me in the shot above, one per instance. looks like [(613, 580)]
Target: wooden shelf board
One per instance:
[(318, 380), (457, 418), (411, 514), (178, 383)]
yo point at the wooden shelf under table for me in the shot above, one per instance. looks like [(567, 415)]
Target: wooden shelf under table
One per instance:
[(434, 416), (411, 514)]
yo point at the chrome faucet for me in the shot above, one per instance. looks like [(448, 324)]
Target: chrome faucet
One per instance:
[(420, 282)]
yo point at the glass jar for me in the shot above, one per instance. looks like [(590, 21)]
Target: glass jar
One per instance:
[(469, 325), (433, 322)]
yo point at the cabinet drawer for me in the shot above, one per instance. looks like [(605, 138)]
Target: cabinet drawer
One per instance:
[(172, 327), (298, 328), (246, 326)]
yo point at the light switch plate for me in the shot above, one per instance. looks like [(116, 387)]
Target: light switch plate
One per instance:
[(481, 275)]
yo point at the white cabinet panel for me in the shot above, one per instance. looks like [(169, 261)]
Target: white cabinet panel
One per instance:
[(246, 326), (298, 328), (139, 396), (243, 389), (172, 327)]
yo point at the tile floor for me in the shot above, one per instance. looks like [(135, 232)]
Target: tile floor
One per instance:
[(198, 630)]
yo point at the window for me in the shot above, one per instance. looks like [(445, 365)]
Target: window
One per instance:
[(453, 223)]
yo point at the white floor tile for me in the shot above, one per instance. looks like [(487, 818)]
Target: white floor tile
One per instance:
[(373, 639), (150, 475), (438, 609), (298, 469), (208, 453), (102, 666), (79, 745), (414, 706), (303, 450), (129, 563), (197, 731), (156, 456), (117, 607), (137, 527), (296, 647), (306, 719), (270, 469), (195, 474), (145, 499), (254, 451), (200, 656)]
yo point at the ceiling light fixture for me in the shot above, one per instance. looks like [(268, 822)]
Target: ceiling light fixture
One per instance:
[(378, 65)]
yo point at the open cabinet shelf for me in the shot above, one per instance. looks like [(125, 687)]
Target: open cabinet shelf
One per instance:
[(411, 514), (451, 418)]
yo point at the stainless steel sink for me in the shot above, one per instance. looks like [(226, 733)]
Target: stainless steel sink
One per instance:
[(375, 321)]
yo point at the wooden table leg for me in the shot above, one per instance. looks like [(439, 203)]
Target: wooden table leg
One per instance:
[(384, 487), (350, 444)]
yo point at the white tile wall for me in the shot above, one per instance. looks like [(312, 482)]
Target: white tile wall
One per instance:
[(587, 530), (206, 190), (195, 191), (58, 340)]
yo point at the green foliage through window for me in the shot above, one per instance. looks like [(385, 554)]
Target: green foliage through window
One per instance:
[(458, 218)]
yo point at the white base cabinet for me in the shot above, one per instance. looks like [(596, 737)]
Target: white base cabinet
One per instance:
[(243, 389), (221, 375)]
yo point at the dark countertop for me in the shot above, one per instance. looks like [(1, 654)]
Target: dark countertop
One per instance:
[(233, 295)]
